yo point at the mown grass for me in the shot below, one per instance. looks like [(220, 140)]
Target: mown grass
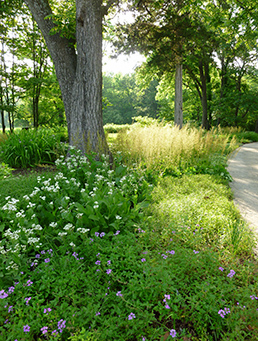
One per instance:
[(175, 261)]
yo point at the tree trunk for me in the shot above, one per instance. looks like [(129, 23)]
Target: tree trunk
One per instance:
[(205, 123), (179, 96), (256, 126), (79, 76), (87, 131)]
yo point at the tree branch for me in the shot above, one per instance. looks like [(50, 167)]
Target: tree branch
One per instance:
[(109, 4)]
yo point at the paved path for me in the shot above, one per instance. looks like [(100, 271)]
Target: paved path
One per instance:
[(243, 167)]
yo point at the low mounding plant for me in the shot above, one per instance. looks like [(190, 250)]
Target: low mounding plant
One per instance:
[(27, 148), (5, 171)]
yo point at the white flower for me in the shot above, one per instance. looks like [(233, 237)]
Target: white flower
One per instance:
[(33, 240), (118, 217), (72, 244), (61, 234), (30, 205), (43, 198), (82, 230), (53, 224), (69, 227)]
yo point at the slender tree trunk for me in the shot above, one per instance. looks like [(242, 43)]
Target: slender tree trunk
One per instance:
[(256, 126), (205, 123), (179, 96)]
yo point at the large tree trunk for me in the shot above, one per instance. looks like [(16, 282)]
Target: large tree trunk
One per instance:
[(79, 75), (179, 96), (86, 127)]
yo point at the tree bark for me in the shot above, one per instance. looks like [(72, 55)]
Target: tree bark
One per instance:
[(179, 96), (87, 125), (79, 75)]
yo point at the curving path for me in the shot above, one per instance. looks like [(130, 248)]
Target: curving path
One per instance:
[(243, 167)]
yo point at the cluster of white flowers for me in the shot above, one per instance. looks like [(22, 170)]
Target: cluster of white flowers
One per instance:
[(10, 205), (33, 240), (12, 235), (69, 227), (12, 265), (53, 224), (61, 234), (82, 230), (20, 214), (37, 227), (35, 192)]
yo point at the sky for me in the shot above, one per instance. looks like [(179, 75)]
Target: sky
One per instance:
[(123, 64)]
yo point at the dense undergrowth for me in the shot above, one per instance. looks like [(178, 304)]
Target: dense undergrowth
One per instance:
[(145, 251)]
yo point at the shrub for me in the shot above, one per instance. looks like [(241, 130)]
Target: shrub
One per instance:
[(5, 171)]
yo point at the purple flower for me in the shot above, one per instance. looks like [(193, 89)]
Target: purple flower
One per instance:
[(43, 252), (143, 260), (117, 232), (195, 251), (96, 234), (29, 282), (167, 297), (46, 310), (221, 269), (61, 325), (108, 271), (222, 312), (131, 316), (102, 234), (10, 290), (145, 252), (98, 262), (44, 330), (54, 332), (98, 313), (109, 262), (47, 260), (27, 299), (167, 306), (26, 328), (172, 252), (97, 254), (3, 294), (97, 270), (173, 333), (164, 256), (119, 293), (231, 273), (37, 255), (10, 309)]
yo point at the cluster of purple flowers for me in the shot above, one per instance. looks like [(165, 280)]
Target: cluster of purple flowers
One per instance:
[(46, 310), (195, 251), (44, 330), (29, 283), (27, 299), (102, 234), (3, 294), (221, 269), (117, 232), (119, 293), (167, 297), (224, 312), (75, 255), (231, 273), (131, 316), (61, 325), (253, 297)]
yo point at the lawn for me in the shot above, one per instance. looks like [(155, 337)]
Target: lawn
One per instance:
[(152, 249)]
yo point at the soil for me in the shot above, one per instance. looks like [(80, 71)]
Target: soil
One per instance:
[(37, 169)]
